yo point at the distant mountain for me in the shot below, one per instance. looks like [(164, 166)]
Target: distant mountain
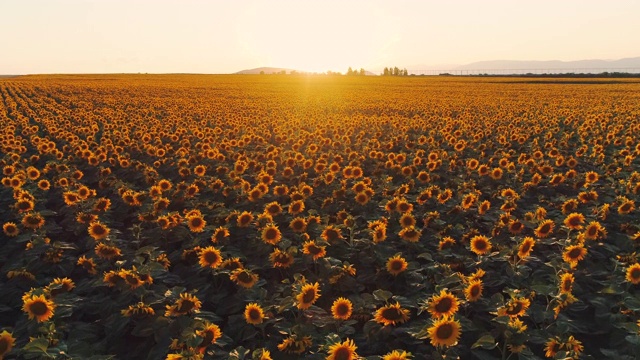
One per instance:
[(604, 65), (275, 70), (267, 70)]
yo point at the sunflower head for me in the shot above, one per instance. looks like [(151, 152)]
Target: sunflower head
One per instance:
[(480, 245), (38, 307), (391, 314), (253, 314), (444, 332), (6, 343), (396, 265), (341, 309), (633, 274), (345, 350), (444, 304), (210, 257), (308, 295), (244, 277)]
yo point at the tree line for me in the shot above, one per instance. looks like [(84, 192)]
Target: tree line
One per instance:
[(395, 71)]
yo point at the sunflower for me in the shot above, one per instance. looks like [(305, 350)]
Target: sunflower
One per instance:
[(566, 283), (244, 219), (591, 176), (516, 227), (88, 264), (594, 231), (468, 201), (345, 350), (446, 243), (196, 223), (186, 304), (483, 170), (569, 206), (587, 196), (10, 229), (295, 346), (102, 204), (496, 173), (107, 252), (552, 347), (253, 314), (626, 207), (219, 234), (544, 229), (271, 234), (403, 206), (480, 244), (574, 221), (298, 225), (60, 285), (38, 307), (131, 278), (296, 207), (70, 198), (112, 278), (86, 218), (6, 343), (484, 207), (32, 221), (517, 306), (379, 233), (98, 231), (316, 251), (473, 291), (331, 234), (210, 257), (308, 295), (525, 248), (210, 334), (444, 196), (391, 314), (397, 355), (444, 304), (341, 309), (407, 220), (280, 258), (444, 332), (140, 309), (264, 355), (574, 345), (44, 185), (410, 234), (633, 274), (573, 254), (244, 277), (396, 265), (24, 205)]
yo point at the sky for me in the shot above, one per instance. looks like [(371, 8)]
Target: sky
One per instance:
[(189, 36)]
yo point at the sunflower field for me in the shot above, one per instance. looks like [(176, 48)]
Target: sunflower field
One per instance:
[(319, 217)]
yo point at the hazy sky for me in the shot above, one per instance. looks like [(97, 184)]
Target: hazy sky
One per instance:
[(159, 36)]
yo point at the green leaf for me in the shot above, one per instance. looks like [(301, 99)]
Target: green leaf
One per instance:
[(39, 346), (485, 342), (382, 295)]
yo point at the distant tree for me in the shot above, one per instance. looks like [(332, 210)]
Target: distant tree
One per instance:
[(396, 71), (283, 72), (362, 72), (405, 72), (261, 72), (350, 71), (386, 71)]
